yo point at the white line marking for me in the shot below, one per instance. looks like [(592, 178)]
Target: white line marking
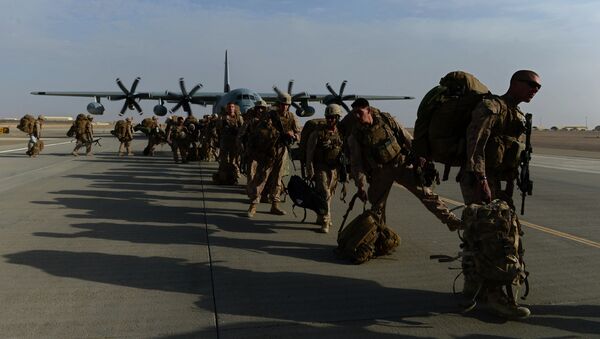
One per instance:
[(25, 148)]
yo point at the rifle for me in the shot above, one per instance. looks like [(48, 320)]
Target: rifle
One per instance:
[(523, 182), (97, 142)]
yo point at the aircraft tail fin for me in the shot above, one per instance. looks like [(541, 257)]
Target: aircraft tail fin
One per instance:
[(226, 86)]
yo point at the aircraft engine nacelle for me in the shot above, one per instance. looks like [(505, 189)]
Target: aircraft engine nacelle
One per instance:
[(160, 110), (95, 108), (305, 110)]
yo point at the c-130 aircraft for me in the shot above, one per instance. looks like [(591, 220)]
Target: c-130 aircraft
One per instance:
[(243, 97)]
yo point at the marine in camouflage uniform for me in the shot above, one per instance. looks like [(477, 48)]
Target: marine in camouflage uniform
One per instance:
[(191, 123), (126, 138), (251, 118), (35, 145), (378, 145), (323, 149), (270, 163), (493, 150), (155, 134), (84, 134), (177, 137), (228, 126)]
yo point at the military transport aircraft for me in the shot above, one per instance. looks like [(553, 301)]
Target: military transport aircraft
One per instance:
[(243, 97)]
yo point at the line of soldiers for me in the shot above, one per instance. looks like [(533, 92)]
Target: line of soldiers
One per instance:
[(379, 149)]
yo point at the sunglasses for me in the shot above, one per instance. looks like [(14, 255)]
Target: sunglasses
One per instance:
[(531, 83)]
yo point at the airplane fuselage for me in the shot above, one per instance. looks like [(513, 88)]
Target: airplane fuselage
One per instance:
[(243, 97)]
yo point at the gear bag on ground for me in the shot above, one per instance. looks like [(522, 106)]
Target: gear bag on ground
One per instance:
[(492, 248)]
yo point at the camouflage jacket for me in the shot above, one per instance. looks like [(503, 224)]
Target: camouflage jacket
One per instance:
[(493, 132)]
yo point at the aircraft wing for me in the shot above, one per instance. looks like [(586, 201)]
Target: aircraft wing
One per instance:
[(324, 98), (203, 97)]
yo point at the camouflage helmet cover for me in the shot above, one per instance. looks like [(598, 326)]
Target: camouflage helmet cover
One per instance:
[(41, 117), (333, 109), (260, 103)]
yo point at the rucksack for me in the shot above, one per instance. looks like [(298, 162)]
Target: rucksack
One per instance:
[(492, 245), (303, 194), (226, 174), (120, 129), (309, 127), (26, 124), (443, 116), (80, 125), (365, 237)]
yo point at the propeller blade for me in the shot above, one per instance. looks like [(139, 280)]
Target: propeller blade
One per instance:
[(342, 87), (343, 104), (330, 89), (124, 108), (120, 84), (182, 87), (137, 107), (299, 95), (176, 107), (290, 86), (279, 93), (195, 89), (134, 85)]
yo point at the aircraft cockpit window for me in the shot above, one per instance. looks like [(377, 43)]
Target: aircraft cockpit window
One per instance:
[(246, 97), (239, 97), (252, 97)]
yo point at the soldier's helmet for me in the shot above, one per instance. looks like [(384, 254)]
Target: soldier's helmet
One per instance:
[(154, 118), (129, 119), (333, 110), (80, 116), (90, 117), (285, 98), (41, 117), (260, 103)]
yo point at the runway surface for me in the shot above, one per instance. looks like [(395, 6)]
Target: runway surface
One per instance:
[(138, 247)]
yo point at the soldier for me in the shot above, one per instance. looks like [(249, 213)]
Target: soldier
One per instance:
[(251, 118), (84, 134), (177, 138), (228, 126), (156, 135), (322, 160), (126, 137), (35, 144), (378, 147), (269, 142), (493, 147), (191, 123)]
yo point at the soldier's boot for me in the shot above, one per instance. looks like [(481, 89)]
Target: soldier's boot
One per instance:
[(251, 210), (88, 151), (129, 152), (499, 304), (276, 210), (121, 153)]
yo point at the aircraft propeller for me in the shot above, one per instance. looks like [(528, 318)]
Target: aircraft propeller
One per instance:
[(298, 108), (129, 96), (338, 98), (185, 98)]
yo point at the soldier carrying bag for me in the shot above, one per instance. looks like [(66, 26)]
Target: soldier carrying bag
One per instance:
[(26, 124), (365, 237)]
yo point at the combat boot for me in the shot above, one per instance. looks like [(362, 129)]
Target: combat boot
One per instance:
[(276, 210), (499, 304), (75, 153), (325, 228), (251, 210)]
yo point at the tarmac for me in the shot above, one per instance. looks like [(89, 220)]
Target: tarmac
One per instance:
[(140, 247)]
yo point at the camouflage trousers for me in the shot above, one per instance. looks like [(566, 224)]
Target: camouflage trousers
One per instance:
[(325, 185), (381, 183), (125, 147), (231, 157), (81, 143), (180, 148), (268, 175)]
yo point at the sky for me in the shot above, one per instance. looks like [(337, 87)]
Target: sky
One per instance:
[(382, 47)]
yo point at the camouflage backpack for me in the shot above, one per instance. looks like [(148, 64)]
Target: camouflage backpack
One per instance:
[(365, 237), (120, 129), (81, 125), (492, 248), (26, 124), (443, 116)]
